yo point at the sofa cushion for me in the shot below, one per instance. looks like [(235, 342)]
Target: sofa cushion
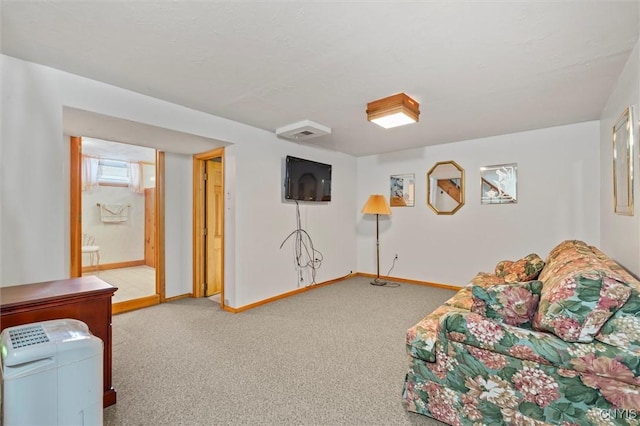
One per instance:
[(513, 304), (526, 269), (575, 306), (538, 346)]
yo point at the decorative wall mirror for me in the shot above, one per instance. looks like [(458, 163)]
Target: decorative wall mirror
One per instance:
[(623, 163), (445, 187), (499, 184)]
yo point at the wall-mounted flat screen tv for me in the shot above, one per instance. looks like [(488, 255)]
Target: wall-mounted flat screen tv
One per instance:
[(307, 180)]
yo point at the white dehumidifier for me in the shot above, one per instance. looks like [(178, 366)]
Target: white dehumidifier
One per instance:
[(52, 374)]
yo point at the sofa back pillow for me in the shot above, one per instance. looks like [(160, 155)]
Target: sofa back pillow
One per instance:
[(513, 304), (575, 306), (623, 328), (526, 269)]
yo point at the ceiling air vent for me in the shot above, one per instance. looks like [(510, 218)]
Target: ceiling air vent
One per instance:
[(302, 131)]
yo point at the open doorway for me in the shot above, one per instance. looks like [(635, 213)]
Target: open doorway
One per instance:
[(116, 238), (208, 225)]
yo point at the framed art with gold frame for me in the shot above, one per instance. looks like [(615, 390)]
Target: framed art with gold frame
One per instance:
[(623, 135)]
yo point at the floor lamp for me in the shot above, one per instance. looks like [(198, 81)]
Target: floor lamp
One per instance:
[(377, 204)]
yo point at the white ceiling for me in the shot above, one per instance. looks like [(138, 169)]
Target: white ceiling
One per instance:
[(477, 68)]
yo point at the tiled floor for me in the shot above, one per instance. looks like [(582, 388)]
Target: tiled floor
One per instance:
[(132, 283)]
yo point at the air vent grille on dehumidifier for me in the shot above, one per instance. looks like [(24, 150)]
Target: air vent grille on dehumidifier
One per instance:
[(302, 130), (28, 336)]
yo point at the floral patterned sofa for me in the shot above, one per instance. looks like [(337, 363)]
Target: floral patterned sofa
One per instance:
[(510, 349)]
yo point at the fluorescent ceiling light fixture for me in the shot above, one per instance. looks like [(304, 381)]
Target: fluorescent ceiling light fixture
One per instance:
[(393, 111)]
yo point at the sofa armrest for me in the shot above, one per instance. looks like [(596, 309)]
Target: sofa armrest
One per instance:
[(421, 338)]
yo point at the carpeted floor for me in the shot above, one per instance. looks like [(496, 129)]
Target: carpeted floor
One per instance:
[(331, 356)]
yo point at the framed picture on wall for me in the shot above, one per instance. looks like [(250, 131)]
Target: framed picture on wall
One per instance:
[(623, 134), (402, 190), (499, 184)]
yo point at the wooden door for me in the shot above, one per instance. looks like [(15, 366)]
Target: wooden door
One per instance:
[(150, 227), (214, 227)]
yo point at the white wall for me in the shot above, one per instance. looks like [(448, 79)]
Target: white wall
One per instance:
[(620, 234), (178, 224), (34, 188), (2, 80), (558, 177), (263, 268), (118, 241)]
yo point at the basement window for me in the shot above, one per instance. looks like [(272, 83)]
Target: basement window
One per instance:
[(113, 172)]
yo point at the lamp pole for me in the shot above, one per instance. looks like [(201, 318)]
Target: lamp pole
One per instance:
[(377, 280), (377, 247), (376, 204)]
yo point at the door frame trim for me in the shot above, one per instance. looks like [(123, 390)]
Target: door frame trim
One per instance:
[(160, 226), (198, 220), (75, 210), (75, 224)]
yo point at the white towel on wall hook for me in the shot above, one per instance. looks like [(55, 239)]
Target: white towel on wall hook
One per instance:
[(114, 213)]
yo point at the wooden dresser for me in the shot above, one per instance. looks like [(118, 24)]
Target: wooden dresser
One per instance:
[(87, 299)]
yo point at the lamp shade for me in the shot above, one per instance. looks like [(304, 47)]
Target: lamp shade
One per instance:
[(393, 111), (377, 204)]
